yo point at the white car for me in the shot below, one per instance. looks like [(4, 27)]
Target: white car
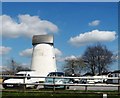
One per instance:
[(18, 81), (97, 79)]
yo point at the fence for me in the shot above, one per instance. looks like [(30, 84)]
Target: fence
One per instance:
[(54, 84)]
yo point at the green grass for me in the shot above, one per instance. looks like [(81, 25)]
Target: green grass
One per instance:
[(57, 94)]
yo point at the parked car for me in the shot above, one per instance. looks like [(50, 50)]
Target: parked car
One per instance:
[(54, 78), (19, 78), (98, 79)]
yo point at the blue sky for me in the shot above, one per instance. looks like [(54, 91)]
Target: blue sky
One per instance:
[(74, 25)]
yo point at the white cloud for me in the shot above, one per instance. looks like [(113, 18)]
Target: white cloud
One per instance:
[(72, 57), (4, 50), (26, 52), (58, 52), (26, 26), (62, 59), (94, 23), (93, 36), (3, 68)]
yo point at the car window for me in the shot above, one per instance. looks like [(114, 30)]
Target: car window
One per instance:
[(19, 76), (56, 74)]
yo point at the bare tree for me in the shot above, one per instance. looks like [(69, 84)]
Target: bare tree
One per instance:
[(74, 66), (14, 67), (97, 58), (21, 68)]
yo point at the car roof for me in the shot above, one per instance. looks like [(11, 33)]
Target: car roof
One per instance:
[(57, 72), (24, 72)]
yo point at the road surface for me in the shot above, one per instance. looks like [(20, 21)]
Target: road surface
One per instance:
[(93, 88)]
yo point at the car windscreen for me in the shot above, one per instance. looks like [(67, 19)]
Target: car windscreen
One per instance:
[(56, 74)]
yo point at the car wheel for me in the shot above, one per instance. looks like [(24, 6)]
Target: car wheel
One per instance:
[(35, 86), (4, 86)]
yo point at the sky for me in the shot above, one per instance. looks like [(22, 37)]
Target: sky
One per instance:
[(60, 0), (75, 26)]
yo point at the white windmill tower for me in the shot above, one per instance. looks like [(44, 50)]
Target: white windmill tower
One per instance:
[(43, 57)]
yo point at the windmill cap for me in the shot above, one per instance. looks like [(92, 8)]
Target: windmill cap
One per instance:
[(38, 39)]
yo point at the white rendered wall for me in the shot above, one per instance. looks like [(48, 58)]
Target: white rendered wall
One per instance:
[(43, 60)]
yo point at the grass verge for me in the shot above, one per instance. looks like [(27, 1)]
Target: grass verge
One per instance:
[(57, 94)]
